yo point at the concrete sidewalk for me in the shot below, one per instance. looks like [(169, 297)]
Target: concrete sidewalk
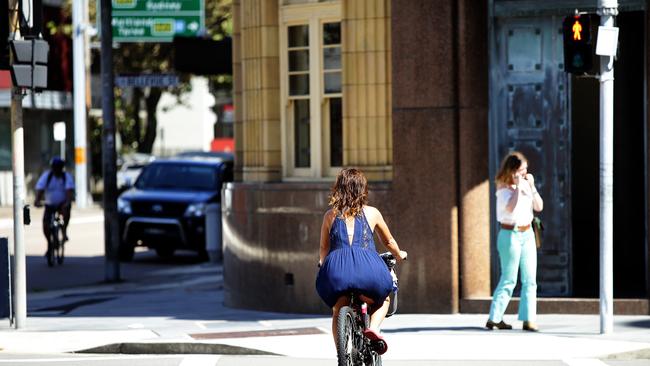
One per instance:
[(180, 310)]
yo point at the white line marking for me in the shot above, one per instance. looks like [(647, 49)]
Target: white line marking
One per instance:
[(200, 360), (9, 223), (584, 362), (86, 358)]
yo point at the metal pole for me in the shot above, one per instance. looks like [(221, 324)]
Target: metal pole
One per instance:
[(79, 101), (18, 166), (111, 226), (607, 9)]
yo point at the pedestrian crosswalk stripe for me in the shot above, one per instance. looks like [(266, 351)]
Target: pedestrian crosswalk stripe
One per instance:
[(200, 360), (584, 362)]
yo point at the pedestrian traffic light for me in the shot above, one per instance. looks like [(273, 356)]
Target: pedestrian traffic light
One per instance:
[(4, 36), (201, 56), (578, 50), (29, 64)]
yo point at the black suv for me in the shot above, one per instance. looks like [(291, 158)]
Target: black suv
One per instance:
[(165, 209)]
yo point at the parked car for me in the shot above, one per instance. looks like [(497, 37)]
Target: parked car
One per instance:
[(130, 168), (222, 155), (165, 209)]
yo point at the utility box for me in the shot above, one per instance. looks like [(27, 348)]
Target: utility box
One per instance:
[(5, 279), (213, 241)]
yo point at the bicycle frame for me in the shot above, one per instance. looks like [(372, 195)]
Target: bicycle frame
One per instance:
[(55, 243), (356, 348)]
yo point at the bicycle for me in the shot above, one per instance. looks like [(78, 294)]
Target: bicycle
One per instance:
[(353, 347), (56, 240)]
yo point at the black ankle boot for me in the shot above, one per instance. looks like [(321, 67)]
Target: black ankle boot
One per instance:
[(500, 325)]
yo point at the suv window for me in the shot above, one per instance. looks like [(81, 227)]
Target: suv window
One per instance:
[(179, 176)]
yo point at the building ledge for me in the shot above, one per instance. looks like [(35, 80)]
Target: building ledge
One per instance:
[(47, 99), (560, 305)]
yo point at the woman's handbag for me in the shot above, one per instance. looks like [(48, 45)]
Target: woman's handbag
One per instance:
[(538, 229)]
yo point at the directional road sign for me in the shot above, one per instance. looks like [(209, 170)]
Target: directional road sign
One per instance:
[(156, 20)]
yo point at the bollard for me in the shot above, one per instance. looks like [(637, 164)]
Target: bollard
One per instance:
[(5, 280), (213, 232)]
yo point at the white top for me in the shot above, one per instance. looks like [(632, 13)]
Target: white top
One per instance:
[(522, 215), (56, 190)]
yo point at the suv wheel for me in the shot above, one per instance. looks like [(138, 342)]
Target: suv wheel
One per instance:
[(165, 252), (126, 252)]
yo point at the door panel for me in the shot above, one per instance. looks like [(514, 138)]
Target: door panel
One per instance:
[(530, 113)]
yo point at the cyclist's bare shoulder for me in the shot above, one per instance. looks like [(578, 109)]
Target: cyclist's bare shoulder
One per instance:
[(372, 215), (328, 218)]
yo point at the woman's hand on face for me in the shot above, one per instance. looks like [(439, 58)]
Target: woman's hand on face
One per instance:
[(531, 180)]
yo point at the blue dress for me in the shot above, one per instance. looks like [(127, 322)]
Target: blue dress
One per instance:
[(353, 267)]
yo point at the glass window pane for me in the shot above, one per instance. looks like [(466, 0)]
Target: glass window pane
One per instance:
[(299, 60), (299, 36), (332, 58), (299, 84), (301, 126), (333, 82), (336, 132), (332, 33)]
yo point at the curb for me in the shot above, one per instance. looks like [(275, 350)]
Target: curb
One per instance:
[(642, 354), (174, 348)]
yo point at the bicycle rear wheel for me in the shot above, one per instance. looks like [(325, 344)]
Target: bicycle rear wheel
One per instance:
[(52, 244), (61, 244), (376, 359), (345, 342)]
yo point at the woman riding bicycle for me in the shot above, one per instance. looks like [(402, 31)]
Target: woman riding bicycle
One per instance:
[(57, 187), (348, 259)]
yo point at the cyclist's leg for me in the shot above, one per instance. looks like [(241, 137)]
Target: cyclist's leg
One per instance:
[(341, 302), (65, 210), (47, 217), (378, 314)]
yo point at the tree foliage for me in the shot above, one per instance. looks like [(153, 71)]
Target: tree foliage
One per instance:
[(137, 130)]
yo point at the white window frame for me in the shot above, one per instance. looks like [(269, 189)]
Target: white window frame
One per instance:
[(314, 15)]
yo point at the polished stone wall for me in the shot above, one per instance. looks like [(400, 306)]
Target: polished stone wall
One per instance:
[(271, 238), (440, 134)]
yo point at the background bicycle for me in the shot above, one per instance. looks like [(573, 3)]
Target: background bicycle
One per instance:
[(56, 240)]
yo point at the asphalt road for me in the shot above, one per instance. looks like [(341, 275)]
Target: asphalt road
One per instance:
[(216, 360), (84, 253)]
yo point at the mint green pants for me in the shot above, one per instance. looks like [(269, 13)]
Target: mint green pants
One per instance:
[(517, 251)]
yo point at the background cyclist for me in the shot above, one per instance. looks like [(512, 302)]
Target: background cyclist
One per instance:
[(57, 187)]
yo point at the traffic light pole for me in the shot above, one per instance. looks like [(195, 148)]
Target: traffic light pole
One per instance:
[(109, 156), (607, 9), (79, 101), (18, 167)]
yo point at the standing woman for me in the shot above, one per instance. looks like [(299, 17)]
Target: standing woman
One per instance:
[(517, 197)]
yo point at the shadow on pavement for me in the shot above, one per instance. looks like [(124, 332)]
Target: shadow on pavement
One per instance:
[(86, 271), (433, 329), (181, 287), (639, 323)]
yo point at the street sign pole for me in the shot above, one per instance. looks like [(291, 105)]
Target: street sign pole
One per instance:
[(79, 102), (607, 9), (109, 156), (18, 166)]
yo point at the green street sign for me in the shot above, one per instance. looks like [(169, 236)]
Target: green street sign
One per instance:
[(156, 20)]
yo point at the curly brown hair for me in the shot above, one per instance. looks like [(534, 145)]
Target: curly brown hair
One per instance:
[(509, 166), (349, 192)]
